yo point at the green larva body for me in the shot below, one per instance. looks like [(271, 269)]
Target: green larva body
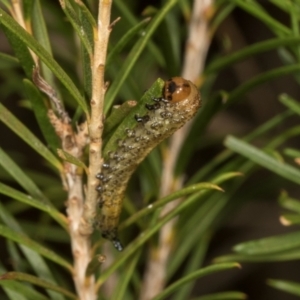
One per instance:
[(180, 102)]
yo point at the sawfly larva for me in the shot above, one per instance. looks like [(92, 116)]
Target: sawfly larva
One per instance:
[(179, 103)]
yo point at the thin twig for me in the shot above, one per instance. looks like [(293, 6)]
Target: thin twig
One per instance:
[(198, 40), (194, 58), (113, 23), (95, 127), (95, 123)]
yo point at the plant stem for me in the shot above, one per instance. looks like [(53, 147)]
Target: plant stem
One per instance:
[(95, 122), (95, 128), (194, 58)]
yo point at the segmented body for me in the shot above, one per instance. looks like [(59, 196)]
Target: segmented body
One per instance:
[(179, 104)]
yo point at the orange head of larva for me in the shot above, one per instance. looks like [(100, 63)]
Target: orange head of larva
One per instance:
[(176, 89)]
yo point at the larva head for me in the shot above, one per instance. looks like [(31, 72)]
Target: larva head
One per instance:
[(177, 89)]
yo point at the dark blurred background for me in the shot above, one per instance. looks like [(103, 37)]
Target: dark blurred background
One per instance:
[(257, 218)]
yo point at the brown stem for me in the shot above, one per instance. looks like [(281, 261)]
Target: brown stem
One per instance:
[(81, 245), (194, 58), (95, 123)]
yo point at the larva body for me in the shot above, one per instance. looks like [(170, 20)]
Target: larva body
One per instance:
[(164, 116)]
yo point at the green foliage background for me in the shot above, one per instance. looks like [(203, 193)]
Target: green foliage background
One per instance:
[(35, 243)]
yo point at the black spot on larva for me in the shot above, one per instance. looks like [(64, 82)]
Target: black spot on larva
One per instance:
[(106, 179), (105, 166), (121, 143), (160, 99), (108, 193), (157, 99), (127, 147), (96, 223), (115, 155), (166, 115), (130, 133), (100, 176), (156, 125), (116, 182), (100, 203), (121, 172), (99, 188), (153, 106), (143, 119), (119, 158)]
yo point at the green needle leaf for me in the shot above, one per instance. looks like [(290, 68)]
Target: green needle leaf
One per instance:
[(134, 55), (178, 194), (223, 296), (41, 114), (116, 117), (291, 103), (24, 240), (52, 211), (237, 94), (25, 134), (151, 231), (251, 50), (270, 245), (129, 122), (125, 40), (9, 23), (286, 286), (71, 159), (82, 32), (195, 275), (17, 173), (37, 281), (263, 159)]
